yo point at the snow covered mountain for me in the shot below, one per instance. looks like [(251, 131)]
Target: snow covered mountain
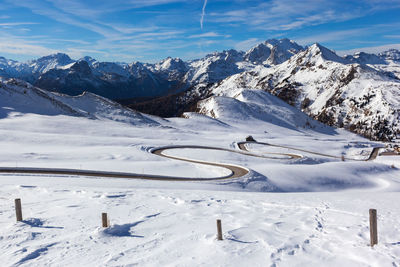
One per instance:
[(215, 66), (359, 92), (330, 89), (171, 68), (58, 72), (32, 69), (44, 64)]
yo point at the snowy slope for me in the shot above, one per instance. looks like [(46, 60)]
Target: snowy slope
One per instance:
[(244, 106), (18, 97)]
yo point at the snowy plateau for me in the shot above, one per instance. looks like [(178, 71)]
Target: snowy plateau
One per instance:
[(295, 193)]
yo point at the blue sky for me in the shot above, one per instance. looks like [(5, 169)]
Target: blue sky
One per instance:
[(150, 30)]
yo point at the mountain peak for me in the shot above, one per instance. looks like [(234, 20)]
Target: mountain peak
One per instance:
[(81, 67), (60, 57), (46, 63), (272, 51), (88, 59), (171, 64), (318, 50)]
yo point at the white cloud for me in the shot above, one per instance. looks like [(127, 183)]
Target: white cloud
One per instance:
[(372, 49), (205, 35), (21, 48), (350, 35), (247, 44), (392, 36), (87, 10), (278, 15), (331, 36), (10, 24)]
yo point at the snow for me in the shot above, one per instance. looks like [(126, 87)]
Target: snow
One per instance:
[(176, 227)]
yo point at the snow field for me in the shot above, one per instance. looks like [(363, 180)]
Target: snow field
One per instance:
[(164, 227)]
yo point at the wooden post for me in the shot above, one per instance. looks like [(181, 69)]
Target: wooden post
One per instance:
[(373, 227), (219, 229), (104, 220), (18, 209)]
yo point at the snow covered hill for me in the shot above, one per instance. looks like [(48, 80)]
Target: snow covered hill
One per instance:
[(18, 98), (249, 107)]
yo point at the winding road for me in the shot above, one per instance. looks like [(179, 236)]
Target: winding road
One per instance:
[(235, 170), (372, 156)]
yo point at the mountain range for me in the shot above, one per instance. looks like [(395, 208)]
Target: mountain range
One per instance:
[(359, 92)]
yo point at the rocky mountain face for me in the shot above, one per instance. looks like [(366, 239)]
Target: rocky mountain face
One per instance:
[(359, 92), (329, 88), (272, 52)]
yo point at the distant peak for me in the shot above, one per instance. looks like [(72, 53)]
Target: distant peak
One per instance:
[(391, 54), (171, 64), (60, 56), (171, 59), (319, 51), (81, 66), (273, 51), (88, 59)]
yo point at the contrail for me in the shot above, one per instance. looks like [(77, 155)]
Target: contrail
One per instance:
[(203, 13)]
